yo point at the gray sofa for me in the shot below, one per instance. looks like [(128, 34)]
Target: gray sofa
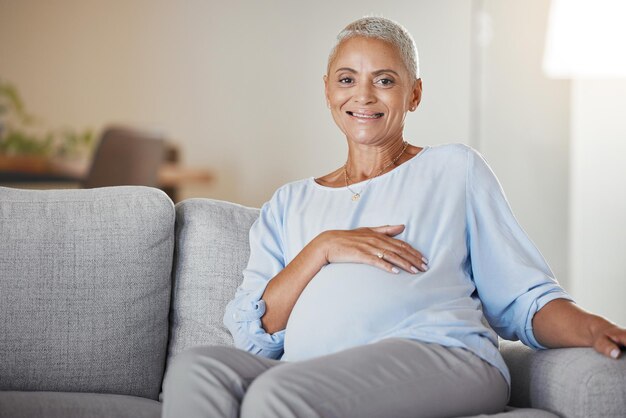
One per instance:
[(100, 288)]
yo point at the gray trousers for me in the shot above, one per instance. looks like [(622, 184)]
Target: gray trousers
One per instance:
[(392, 378)]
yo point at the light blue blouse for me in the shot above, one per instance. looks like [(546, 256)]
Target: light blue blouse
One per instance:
[(482, 265)]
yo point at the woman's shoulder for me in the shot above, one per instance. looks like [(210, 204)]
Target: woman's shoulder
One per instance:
[(447, 156), (451, 149), (457, 154)]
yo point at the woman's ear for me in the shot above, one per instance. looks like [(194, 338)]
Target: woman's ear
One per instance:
[(326, 90), (417, 95)]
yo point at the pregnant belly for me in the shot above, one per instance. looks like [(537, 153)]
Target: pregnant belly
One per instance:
[(346, 305)]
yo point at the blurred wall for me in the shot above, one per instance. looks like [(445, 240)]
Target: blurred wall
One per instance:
[(239, 85), (598, 196)]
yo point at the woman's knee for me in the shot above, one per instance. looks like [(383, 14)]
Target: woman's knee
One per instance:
[(274, 394)]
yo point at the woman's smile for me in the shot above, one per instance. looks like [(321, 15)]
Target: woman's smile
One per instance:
[(365, 116)]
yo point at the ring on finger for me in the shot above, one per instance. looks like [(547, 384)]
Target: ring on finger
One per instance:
[(381, 254)]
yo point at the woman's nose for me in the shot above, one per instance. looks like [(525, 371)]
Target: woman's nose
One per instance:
[(364, 93)]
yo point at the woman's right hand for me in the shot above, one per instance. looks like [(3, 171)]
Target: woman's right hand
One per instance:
[(374, 246)]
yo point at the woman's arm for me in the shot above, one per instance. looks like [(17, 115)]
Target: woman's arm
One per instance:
[(357, 246), (283, 290), (561, 323)]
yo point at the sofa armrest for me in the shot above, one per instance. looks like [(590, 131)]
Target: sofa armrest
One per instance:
[(571, 382)]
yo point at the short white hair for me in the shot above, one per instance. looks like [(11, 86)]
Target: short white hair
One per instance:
[(386, 30)]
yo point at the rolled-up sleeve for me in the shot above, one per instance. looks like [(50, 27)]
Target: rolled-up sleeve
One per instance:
[(243, 314), (512, 278)]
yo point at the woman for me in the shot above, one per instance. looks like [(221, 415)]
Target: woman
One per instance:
[(368, 290)]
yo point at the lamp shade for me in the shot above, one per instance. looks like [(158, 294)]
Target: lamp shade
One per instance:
[(586, 39)]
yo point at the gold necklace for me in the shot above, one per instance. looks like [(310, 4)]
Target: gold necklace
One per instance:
[(357, 195)]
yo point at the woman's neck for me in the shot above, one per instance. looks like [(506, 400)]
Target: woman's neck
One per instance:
[(367, 161)]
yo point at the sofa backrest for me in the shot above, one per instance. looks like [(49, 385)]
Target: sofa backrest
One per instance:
[(85, 289), (212, 249)]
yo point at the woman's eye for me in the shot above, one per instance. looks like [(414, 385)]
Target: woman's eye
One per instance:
[(345, 80), (385, 81)]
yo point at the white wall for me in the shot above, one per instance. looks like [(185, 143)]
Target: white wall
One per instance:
[(598, 196), (237, 83)]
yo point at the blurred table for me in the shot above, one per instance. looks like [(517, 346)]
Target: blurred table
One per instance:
[(39, 169)]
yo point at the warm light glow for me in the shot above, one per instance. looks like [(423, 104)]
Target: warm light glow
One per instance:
[(586, 39)]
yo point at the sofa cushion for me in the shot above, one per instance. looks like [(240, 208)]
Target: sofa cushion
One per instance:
[(75, 405), (211, 252), (85, 289)]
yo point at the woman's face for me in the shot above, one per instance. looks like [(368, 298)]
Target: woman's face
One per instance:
[(369, 90)]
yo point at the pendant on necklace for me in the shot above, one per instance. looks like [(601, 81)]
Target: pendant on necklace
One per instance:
[(356, 197)]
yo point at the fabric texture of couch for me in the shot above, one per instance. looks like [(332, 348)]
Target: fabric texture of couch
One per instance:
[(100, 288)]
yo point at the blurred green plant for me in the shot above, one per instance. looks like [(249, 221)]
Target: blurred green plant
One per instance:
[(23, 134)]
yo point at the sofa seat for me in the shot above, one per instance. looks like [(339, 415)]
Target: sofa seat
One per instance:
[(511, 412), (15, 404), (98, 405)]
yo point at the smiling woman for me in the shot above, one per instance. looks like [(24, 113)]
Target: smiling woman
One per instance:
[(380, 289)]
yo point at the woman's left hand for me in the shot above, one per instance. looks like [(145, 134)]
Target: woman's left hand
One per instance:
[(561, 323), (609, 339)]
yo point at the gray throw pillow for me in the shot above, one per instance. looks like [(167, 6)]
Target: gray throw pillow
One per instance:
[(212, 249)]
